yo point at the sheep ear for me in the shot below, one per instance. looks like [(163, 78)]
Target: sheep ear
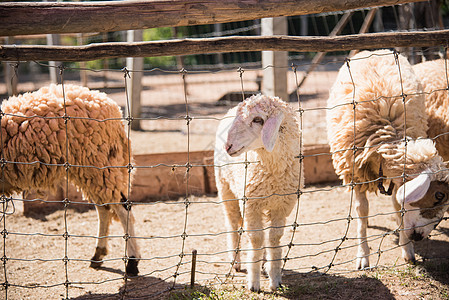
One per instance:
[(414, 189), (270, 131)]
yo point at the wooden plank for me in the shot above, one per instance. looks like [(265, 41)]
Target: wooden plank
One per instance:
[(163, 176), (225, 44), (318, 166), (22, 18), (160, 176), (34, 204)]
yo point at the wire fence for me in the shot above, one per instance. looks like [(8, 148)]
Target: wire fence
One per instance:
[(319, 238)]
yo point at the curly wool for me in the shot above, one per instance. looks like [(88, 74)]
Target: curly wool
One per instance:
[(269, 173), (374, 83), (433, 77), (35, 139), (269, 182)]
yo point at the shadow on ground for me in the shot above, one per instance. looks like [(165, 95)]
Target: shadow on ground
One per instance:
[(142, 287), (434, 260), (301, 286), (323, 286), (295, 286)]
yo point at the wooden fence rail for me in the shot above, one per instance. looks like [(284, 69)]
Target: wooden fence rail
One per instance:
[(224, 44), (25, 18)]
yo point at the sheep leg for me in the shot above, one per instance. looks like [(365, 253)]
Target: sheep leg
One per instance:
[(127, 220), (407, 246), (254, 226), (104, 219), (233, 224), (274, 251), (362, 209)]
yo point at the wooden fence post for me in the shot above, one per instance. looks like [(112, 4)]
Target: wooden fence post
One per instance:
[(83, 65), (134, 64), (10, 78), (53, 40), (274, 81)]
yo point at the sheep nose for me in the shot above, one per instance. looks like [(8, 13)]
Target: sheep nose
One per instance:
[(416, 236), (228, 147)]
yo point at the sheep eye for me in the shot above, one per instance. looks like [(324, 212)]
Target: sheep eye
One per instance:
[(439, 196), (258, 120)]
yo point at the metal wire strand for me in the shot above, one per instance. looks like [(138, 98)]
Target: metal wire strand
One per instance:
[(295, 250)]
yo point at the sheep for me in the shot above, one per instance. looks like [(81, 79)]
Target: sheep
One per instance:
[(51, 132), (432, 75), (381, 145), (264, 129)]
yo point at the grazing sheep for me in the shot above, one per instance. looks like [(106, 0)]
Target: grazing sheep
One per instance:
[(266, 130), (35, 138), (377, 145)]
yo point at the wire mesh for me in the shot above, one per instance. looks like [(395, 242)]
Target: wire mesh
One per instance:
[(168, 229), (173, 266)]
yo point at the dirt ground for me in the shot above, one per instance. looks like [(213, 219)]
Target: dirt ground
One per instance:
[(35, 246)]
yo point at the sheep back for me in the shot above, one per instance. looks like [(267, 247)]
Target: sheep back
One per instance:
[(373, 81), (432, 75), (37, 141)]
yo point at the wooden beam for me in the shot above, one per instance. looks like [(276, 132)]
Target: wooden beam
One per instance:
[(155, 179), (225, 44), (320, 55), (24, 18)]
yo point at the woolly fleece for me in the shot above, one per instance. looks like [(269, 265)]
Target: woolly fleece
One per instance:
[(270, 185), (432, 75), (374, 83), (35, 139), (268, 172)]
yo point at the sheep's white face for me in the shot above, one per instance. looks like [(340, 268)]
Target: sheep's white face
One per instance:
[(245, 134), (253, 128), (424, 213)]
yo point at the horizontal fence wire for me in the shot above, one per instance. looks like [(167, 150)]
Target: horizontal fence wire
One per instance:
[(166, 253)]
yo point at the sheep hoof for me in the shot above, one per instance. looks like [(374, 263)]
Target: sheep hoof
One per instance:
[(410, 260), (254, 289), (275, 285), (95, 264), (97, 260), (408, 253), (131, 267), (253, 284), (362, 263), (238, 268)]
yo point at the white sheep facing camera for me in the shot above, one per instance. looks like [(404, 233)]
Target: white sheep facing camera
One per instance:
[(257, 166)]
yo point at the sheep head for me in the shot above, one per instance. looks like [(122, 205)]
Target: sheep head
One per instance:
[(255, 126), (425, 202)]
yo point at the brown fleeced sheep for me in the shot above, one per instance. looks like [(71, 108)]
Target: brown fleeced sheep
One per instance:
[(370, 135), (37, 128)]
